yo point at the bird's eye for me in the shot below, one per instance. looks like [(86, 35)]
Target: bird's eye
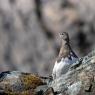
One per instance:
[(62, 34)]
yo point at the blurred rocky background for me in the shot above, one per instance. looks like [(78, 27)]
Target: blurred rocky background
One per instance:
[(29, 30)]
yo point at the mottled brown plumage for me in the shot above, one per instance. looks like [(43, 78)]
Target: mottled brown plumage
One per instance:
[(65, 46), (65, 58), (65, 50)]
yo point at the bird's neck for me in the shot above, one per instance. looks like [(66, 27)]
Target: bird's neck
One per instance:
[(64, 47), (64, 42)]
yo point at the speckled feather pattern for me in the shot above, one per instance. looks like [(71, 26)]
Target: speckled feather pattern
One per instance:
[(65, 58)]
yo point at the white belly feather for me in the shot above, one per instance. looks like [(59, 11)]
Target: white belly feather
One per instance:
[(62, 67)]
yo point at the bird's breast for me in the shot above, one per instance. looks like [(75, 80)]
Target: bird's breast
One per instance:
[(62, 66)]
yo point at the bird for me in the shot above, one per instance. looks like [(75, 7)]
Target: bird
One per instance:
[(66, 57), (19, 83)]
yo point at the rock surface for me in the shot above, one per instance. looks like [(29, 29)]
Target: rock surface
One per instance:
[(17, 83), (79, 80)]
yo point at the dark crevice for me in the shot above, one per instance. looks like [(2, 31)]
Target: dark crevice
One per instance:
[(82, 40), (92, 27), (83, 43), (48, 33), (3, 74), (12, 1), (38, 9), (89, 90), (79, 23), (66, 4)]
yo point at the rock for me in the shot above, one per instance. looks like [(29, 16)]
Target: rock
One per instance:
[(79, 80), (18, 83)]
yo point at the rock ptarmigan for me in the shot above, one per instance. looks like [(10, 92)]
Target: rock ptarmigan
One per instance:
[(65, 58)]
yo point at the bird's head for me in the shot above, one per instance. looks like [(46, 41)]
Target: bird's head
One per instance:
[(64, 36)]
